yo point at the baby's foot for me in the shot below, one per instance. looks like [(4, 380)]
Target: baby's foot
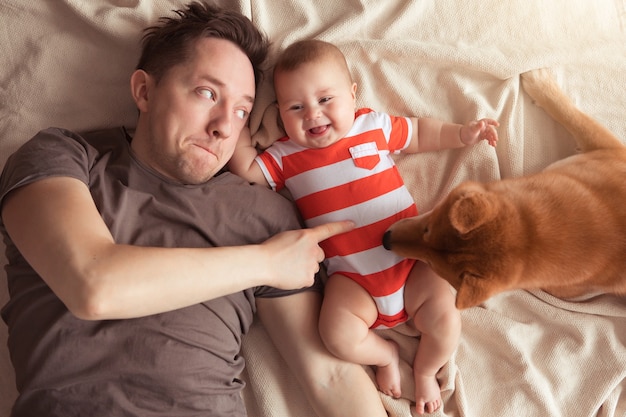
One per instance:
[(427, 394), (388, 377)]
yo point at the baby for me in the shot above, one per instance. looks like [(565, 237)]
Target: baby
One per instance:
[(336, 163)]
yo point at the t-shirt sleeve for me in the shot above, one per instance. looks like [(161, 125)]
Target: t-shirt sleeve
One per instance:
[(50, 153), (401, 131), (271, 168), (271, 292), (397, 130)]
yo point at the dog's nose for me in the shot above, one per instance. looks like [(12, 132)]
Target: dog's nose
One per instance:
[(387, 240)]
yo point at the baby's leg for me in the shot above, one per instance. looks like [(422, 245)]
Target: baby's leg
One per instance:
[(430, 302), (347, 313)]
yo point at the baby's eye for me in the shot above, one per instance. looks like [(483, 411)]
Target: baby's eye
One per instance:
[(206, 93), (325, 99), (296, 107)]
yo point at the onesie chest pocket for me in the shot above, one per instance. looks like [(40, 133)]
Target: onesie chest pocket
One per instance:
[(365, 155)]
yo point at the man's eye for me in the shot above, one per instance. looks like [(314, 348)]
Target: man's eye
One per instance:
[(242, 114), (206, 93)]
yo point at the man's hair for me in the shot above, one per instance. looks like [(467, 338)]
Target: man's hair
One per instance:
[(171, 42), (306, 51)]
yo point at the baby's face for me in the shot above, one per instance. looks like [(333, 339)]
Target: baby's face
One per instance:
[(316, 102)]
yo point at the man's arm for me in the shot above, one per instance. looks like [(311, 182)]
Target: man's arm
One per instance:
[(334, 387), (56, 226)]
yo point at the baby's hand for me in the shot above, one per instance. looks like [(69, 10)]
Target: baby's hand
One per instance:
[(477, 130)]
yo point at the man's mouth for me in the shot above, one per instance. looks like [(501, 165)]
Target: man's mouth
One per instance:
[(206, 149)]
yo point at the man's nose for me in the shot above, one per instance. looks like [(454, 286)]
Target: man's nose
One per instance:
[(220, 121)]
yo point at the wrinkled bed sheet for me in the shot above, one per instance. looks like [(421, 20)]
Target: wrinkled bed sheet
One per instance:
[(67, 63)]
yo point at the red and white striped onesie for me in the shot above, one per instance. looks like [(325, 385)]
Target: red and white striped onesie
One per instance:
[(353, 179)]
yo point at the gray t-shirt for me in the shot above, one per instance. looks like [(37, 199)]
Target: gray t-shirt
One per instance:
[(180, 363)]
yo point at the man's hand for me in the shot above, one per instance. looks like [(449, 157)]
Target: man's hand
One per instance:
[(295, 255)]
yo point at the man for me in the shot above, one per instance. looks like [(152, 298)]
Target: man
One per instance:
[(135, 266)]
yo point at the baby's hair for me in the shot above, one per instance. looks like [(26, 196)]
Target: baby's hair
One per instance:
[(306, 51)]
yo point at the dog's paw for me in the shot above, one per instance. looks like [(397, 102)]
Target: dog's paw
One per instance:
[(537, 75), (540, 85)]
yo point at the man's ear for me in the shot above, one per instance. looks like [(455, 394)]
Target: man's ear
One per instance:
[(471, 211), (140, 84)]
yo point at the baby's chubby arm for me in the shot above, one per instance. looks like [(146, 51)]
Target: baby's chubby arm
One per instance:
[(242, 161), (433, 135)]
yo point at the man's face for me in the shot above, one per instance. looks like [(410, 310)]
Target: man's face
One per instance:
[(197, 111)]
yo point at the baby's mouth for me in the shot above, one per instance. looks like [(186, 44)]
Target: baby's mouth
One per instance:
[(319, 130)]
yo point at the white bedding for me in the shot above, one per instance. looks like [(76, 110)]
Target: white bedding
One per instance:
[(66, 63)]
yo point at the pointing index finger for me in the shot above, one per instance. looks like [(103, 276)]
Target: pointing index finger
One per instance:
[(324, 231)]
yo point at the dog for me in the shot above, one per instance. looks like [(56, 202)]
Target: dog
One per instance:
[(562, 230)]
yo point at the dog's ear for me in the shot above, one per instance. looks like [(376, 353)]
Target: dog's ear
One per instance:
[(471, 210), (472, 291)]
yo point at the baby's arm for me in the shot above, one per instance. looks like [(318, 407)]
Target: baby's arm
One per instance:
[(242, 162), (434, 135)]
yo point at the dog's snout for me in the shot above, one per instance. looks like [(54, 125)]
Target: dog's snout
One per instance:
[(387, 240)]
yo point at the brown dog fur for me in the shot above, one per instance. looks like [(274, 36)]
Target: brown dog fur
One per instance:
[(562, 230)]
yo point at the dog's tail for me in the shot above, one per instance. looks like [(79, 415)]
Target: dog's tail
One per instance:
[(588, 133)]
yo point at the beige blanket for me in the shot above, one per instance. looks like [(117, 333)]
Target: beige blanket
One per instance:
[(67, 62)]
